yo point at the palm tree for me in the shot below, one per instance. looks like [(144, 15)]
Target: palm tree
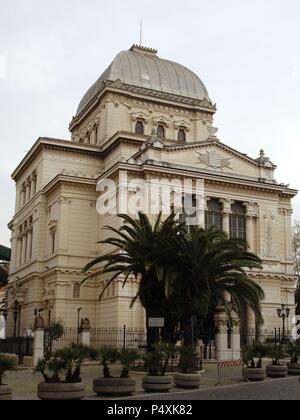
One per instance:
[(182, 274), (140, 252), (297, 300), (207, 265)]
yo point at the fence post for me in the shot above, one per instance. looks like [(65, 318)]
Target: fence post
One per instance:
[(85, 332), (124, 336), (38, 346)]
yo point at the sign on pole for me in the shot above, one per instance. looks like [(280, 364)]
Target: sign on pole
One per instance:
[(156, 322)]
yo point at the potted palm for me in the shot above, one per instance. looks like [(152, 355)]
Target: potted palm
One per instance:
[(112, 386), (157, 363), (253, 356), (293, 351), (277, 369), (188, 377), (6, 364), (62, 373)]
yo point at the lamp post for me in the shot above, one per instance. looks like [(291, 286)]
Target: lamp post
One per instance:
[(283, 313), (15, 318), (78, 324)]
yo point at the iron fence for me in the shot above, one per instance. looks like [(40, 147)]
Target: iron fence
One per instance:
[(264, 336), (118, 338), (69, 337), (21, 346)]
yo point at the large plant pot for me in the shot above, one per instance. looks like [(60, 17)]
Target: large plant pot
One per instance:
[(187, 380), (277, 371), (5, 393), (294, 369), (61, 391), (114, 386), (254, 375), (157, 383)]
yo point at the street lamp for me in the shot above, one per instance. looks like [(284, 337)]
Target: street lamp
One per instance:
[(16, 311), (283, 313), (78, 324)]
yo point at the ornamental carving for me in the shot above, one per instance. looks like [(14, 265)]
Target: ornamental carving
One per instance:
[(214, 160)]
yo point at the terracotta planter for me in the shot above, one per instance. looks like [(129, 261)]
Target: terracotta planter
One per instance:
[(294, 369), (5, 393), (157, 383), (254, 375), (277, 371), (187, 380), (61, 391), (114, 386)]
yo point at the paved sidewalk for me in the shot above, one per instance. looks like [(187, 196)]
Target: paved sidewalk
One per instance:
[(24, 383)]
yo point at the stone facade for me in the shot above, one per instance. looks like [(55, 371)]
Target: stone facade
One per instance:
[(56, 227)]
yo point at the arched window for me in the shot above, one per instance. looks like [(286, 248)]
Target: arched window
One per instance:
[(139, 127), (238, 221), (181, 134), (161, 132), (213, 215)]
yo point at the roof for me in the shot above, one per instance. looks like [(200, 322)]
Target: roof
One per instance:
[(141, 67)]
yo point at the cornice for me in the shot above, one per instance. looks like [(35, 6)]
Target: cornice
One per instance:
[(183, 172), (53, 144), (118, 86)]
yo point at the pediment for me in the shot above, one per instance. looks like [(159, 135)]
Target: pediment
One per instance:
[(212, 157)]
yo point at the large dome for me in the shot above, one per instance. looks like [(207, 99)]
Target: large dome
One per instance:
[(141, 67)]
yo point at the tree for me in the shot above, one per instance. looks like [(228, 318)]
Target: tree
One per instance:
[(4, 268), (141, 252), (207, 265), (182, 274), (296, 252)]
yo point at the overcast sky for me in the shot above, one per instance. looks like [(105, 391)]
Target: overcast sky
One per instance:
[(246, 52)]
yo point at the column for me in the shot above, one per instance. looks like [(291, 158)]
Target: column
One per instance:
[(95, 135), (28, 188), (32, 186), (249, 232), (251, 324), (226, 223), (23, 196), (226, 214), (24, 242), (29, 244), (19, 251), (226, 228)]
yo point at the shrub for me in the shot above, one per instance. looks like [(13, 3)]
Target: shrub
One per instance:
[(255, 351), (107, 355), (188, 356), (157, 362), (276, 352), (52, 333), (127, 359), (293, 350), (66, 362)]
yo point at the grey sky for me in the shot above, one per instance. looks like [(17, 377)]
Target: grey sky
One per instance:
[(246, 52)]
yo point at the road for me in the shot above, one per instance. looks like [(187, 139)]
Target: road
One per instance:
[(281, 389)]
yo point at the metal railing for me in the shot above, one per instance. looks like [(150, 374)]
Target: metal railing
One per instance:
[(21, 346)]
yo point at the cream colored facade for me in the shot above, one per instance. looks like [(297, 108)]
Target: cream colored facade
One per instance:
[(56, 227)]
